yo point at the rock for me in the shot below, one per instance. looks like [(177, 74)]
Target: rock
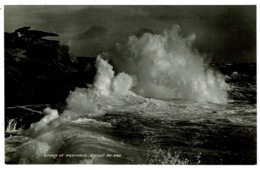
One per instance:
[(10, 39), (85, 63), (33, 33), (40, 70), (38, 34), (22, 30)]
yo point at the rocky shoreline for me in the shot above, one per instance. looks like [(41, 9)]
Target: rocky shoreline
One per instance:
[(40, 71)]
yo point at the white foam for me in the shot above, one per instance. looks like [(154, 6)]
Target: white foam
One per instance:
[(50, 114), (11, 128), (122, 83), (104, 76), (166, 67)]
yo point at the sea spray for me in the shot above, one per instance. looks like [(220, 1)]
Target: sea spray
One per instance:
[(106, 82), (50, 115), (122, 83), (11, 126), (158, 66), (166, 67), (108, 118), (87, 102), (154, 66), (104, 76)]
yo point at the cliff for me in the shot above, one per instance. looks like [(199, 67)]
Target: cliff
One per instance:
[(40, 70)]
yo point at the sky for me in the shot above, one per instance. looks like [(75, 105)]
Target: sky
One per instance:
[(225, 33)]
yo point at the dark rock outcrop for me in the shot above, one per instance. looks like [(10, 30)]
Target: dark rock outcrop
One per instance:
[(41, 71), (22, 30)]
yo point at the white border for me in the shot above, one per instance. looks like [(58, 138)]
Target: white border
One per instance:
[(109, 2)]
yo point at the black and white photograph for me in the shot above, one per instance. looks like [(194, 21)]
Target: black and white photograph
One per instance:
[(130, 84)]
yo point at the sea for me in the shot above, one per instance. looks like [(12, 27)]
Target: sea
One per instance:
[(158, 104)]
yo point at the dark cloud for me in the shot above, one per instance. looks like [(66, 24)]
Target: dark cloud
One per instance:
[(238, 34), (227, 33), (94, 32), (142, 31), (165, 18), (92, 42)]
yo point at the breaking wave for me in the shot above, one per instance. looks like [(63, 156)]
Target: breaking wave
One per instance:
[(163, 67), (152, 66)]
